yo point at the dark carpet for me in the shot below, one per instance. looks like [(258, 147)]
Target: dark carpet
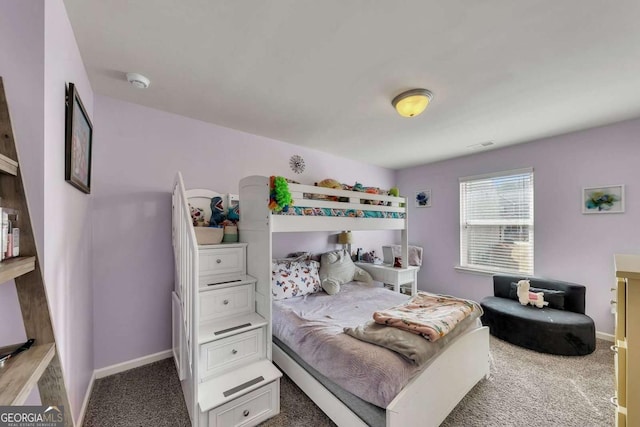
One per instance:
[(525, 389)]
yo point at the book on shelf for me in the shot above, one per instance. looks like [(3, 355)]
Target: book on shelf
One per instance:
[(9, 234)]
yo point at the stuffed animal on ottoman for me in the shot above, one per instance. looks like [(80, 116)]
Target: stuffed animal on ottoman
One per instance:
[(525, 297)]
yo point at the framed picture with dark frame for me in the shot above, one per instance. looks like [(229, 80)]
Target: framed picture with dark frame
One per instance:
[(78, 141)]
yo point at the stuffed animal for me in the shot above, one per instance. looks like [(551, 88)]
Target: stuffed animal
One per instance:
[(279, 195), (336, 268), (525, 297), (217, 212), (197, 216), (330, 183)]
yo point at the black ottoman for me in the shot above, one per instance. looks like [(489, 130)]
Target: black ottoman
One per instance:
[(567, 332)]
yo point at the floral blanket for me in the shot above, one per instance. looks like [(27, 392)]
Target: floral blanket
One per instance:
[(429, 315)]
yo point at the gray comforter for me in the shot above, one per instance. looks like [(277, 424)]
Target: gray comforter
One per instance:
[(312, 326)]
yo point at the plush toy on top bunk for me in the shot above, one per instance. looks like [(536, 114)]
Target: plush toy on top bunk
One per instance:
[(279, 196)]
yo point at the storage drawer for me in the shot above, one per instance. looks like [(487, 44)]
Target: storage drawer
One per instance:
[(248, 410), (225, 302), (221, 265), (228, 353)]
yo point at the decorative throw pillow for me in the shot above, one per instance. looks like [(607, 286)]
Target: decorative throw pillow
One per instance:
[(337, 268), (555, 298), (294, 278)]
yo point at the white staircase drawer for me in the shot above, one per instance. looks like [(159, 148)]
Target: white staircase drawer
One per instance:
[(225, 302), (248, 410), (221, 265), (232, 352)]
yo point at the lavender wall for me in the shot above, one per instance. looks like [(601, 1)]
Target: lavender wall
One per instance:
[(137, 154), (21, 67), (568, 245), (67, 238)]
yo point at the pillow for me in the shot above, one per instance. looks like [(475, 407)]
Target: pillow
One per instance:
[(555, 298), (337, 268), (294, 278)]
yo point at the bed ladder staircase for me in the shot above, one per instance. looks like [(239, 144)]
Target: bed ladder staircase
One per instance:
[(41, 363)]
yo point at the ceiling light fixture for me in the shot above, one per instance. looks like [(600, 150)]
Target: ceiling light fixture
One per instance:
[(412, 102), (138, 80)]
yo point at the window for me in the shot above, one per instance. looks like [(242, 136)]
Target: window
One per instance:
[(496, 222)]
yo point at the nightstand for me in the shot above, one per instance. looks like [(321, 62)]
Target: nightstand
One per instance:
[(395, 276)]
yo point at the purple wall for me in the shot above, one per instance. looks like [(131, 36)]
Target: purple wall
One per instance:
[(67, 238), (568, 245), (137, 153)]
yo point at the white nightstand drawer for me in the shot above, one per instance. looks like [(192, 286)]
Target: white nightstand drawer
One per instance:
[(231, 352), (248, 410), (221, 264), (218, 303)]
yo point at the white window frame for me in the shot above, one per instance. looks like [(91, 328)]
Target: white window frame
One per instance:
[(491, 269)]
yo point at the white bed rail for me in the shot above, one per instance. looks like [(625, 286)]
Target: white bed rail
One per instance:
[(254, 209), (185, 250)]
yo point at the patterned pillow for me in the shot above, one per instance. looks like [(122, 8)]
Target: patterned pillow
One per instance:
[(294, 278)]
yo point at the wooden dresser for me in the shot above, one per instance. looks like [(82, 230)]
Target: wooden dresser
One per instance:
[(627, 340)]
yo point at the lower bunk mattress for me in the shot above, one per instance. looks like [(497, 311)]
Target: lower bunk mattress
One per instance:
[(312, 327)]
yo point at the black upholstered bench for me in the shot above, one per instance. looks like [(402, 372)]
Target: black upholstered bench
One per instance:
[(567, 331)]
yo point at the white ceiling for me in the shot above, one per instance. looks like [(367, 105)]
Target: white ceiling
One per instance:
[(322, 73)]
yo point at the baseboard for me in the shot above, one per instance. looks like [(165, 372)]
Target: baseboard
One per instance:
[(135, 363), (85, 402), (605, 336)]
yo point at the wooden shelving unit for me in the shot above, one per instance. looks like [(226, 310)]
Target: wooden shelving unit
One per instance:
[(40, 365), (15, 267), (22, 372)]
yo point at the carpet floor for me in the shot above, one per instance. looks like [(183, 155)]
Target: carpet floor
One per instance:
[(525, 388)]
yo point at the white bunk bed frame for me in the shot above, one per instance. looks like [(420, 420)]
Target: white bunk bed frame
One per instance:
[(430, 396)]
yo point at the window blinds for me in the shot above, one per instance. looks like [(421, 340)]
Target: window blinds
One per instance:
[(496, 222)]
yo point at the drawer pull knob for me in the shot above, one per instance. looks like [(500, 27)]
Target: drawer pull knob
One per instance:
[(614, 348), (614, 400), (218, 261), (234, 351), (613, 289), (225, 302), (246, 413), (613, 301)]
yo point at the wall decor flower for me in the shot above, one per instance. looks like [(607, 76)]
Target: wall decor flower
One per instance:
[(605, 199), (296, 163)]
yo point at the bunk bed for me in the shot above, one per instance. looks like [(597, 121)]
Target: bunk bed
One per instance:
[(439, 385)]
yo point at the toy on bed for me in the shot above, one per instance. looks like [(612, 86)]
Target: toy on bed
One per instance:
[(336, 268), (525, 297)]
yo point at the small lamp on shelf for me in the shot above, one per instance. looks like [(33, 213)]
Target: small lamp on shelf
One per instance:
[(346, 238)]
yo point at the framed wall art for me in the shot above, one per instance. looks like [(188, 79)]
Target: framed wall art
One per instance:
[(78, 141), (605, 199), (423, 199)]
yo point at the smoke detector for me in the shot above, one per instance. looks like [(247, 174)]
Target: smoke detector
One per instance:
[(138, 80)]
